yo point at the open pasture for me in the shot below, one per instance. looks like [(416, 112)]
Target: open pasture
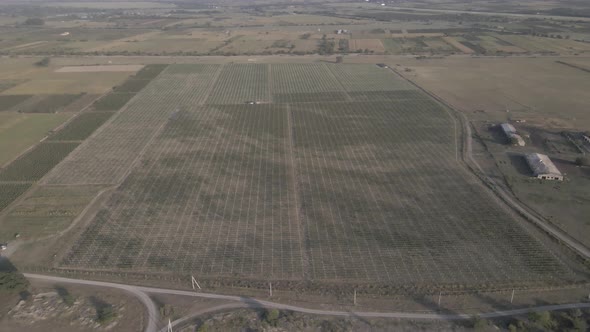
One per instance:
[(295, 189), (559, 99)]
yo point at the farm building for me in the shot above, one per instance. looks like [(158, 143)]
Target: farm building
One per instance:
[(510, 132), (543, 167)]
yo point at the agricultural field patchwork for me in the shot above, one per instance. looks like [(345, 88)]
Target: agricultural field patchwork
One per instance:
[(297, 187)]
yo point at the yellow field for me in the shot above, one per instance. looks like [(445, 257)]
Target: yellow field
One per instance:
[(370, 44)]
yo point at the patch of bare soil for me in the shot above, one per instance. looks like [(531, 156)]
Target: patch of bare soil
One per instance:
[(101, 69)]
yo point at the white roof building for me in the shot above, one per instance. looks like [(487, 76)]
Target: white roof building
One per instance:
[(542, 167)]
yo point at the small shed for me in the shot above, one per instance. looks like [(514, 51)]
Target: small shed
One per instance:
[(510, 132)]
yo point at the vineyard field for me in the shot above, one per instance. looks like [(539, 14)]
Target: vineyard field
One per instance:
[(340, 173)]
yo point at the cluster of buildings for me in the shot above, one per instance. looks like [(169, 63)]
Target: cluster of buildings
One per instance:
[(541, 165)]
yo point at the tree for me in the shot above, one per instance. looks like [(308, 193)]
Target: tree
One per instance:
[(480, 324), (12, 282), (34, 21), (583, 161), (105, 314)]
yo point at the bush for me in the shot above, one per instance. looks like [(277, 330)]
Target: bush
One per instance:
[(579, 324), (67, 298), (105, 314), (43, 62), (272, 317), (542, 318), (480, 324), (34, 21), (12, 282)]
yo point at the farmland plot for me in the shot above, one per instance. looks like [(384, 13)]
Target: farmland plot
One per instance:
[(305, 83), (106, 158), (369, 191), (239, 83)]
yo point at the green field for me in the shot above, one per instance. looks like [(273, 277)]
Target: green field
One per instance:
[(20, 131), (51, 103), (10, 192), (33, 165), (82, 126)]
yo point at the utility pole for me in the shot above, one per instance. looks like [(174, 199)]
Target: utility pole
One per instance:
[(439, 298), (512, 297), (194, 282), (354, 299), (270, 289)]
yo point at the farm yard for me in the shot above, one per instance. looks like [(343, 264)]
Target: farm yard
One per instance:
[(339, 172)]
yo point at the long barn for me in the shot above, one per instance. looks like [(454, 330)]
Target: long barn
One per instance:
[(542, 167)]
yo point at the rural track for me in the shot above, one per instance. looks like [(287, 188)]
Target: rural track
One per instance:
[(501, 193), (240, 301)]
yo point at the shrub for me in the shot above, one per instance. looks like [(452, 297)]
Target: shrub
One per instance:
[(479, 323), (34, 21), (43, 62), (105, 314)]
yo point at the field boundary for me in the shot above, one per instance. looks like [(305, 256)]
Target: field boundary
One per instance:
[(293, 174)]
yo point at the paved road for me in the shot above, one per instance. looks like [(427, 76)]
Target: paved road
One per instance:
[(153, 315)]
